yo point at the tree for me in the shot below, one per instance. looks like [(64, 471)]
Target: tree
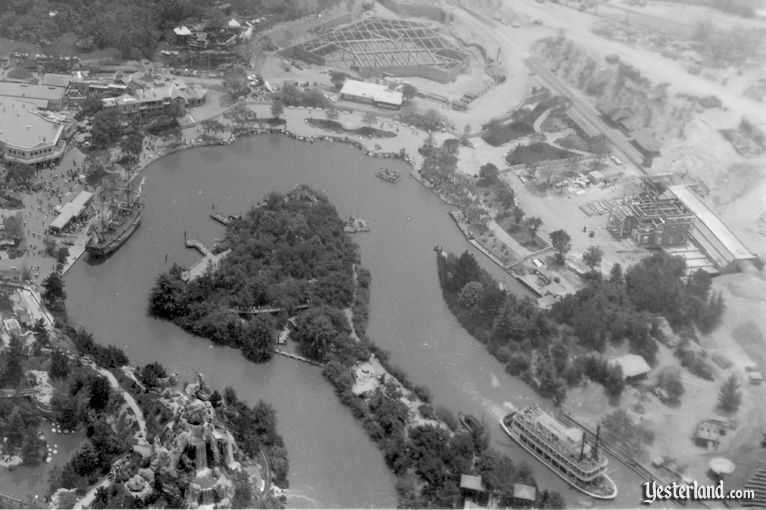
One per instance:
[(409, 92), (14, 228), (505, 197), (730, 397), (90, 106), (132, 145), (41, 332), (337, 78), (488, 174), (259, 338), (562, 243), (243, 490), (670, 382), (332, 113), (236, 83), (31, 449), (370, 118), (53, 294), (59, 368), (151, 373), (107, 128), (470, 294), (99, 393), (13, 372), (290, 94), (276, 109), (533, 223), (518, 215), (61, 255), (592, 257), (318, 330)]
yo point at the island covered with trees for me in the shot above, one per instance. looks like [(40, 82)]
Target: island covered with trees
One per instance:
[(555, 349), (290, 255)]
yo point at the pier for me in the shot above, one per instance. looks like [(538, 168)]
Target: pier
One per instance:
[(220, 218), (298, 358), (209, 260)]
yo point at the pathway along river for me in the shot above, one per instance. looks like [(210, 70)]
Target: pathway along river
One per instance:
[(332, 462)]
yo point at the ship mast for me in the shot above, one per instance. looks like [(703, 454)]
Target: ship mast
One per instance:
[(582, 447)]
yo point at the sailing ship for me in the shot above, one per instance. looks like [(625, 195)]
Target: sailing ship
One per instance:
[(116, 224), (562, 449), (387, 175)]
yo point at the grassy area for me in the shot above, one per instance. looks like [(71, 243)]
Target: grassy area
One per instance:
[(538, 151), (498, 248), (503, 134), (520, 234), (575, 142), (366, 131)]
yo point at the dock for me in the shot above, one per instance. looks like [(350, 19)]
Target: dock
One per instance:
[(220, 218), (298, 358), (209, 260)]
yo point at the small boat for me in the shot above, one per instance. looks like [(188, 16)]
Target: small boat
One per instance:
[(469, 422), (387, 175)]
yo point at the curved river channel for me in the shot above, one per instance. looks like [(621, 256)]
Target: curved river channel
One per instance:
[(332, 462)]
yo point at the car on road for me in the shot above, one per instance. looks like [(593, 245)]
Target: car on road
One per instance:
[(537, 21), (616, 160)]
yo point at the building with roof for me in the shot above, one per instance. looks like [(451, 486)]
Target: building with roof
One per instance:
[(371, 93), (57, 80), (142, 95), (712, 236), (632, 365), (45, 96), (651, 220), (708, 434), (524, 493), (28, 136), (70, 211)]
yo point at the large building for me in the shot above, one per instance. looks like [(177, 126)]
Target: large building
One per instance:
[(29, 136), (651, 220), (143, 95), (43, 96), (712, 235), (371, 93)]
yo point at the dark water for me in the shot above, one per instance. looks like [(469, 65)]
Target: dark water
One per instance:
[(332, 462)]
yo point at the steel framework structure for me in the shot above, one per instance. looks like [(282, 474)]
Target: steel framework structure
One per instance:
[(378, 43)]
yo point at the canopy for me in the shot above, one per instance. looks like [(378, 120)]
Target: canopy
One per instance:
[(722, 466)]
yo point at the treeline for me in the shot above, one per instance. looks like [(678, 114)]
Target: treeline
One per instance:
[(289, 251), (556, 349), (135, 28)]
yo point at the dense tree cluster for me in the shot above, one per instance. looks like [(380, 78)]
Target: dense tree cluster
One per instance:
[(19, 425), (135, 28), (288, 251), (86, 399), (555, 349), (255, 428)]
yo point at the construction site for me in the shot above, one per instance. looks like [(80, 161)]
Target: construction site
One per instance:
[(380, 46), (651, 220)]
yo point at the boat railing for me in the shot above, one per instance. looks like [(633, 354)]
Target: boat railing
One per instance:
[(587, 464)]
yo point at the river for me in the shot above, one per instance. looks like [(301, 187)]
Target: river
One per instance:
[(332, 462)]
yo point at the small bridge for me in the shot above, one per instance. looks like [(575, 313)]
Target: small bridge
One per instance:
[(255, 310)]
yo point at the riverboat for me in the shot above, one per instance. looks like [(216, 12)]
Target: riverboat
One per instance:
[(388, 175), (115, 226), (562, 449)]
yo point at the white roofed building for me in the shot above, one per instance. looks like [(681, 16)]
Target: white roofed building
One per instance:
[(632, 365), (371, 93)]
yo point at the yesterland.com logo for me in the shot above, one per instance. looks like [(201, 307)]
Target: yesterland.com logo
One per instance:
[(654, 491)]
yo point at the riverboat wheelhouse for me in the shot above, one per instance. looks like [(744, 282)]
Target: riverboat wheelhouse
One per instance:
[(564, 450)]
